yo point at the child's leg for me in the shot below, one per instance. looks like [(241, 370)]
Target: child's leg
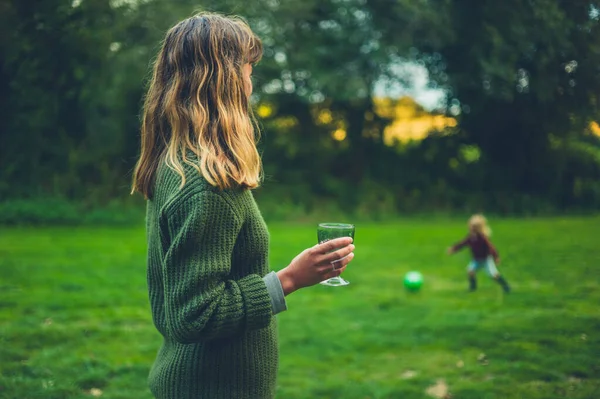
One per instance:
[(503, 283), (493, 272), (471, 270)]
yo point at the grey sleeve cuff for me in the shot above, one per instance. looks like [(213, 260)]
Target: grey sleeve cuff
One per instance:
[(275, 292)]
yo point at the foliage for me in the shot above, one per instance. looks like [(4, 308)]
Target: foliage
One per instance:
[(59, 211), (522, 80), (522, 73)]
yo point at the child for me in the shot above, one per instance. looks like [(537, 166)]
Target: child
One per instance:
[(484, 253)]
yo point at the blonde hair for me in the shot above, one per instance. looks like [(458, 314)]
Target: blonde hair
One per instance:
[(478, 224), (197, 103)]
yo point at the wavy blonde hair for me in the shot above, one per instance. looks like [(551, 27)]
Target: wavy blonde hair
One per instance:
[(478, 224), (197, 108)]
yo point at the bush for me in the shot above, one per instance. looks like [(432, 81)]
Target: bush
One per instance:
[(57, 211)]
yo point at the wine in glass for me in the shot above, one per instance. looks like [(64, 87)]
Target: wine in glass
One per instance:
[(329, 231)]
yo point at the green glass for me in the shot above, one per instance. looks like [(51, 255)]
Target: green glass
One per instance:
[(329, 231)]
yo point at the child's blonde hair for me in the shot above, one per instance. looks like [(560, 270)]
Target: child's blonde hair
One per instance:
[(478, 224)]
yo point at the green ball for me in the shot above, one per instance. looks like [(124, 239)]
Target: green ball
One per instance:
[(413, 281)]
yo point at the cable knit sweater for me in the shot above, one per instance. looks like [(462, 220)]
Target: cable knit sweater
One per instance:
[(207, 255)]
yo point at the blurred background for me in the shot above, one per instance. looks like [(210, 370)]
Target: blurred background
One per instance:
[(369, 107), (401, 116)]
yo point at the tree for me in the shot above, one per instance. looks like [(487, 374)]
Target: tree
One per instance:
[(53, 55), (322, 61), (526, 76)]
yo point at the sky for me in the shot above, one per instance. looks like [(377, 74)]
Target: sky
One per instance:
[(418, 86)]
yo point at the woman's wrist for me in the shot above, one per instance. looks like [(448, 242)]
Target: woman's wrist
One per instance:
[(287, 282)]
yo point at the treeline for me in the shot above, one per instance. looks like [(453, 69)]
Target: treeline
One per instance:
[(522, 80)]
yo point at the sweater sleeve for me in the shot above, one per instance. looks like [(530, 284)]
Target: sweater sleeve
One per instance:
[(461, 244), (201, 301), (275, 292)]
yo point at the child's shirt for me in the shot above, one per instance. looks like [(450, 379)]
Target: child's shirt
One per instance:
[(480, 246)]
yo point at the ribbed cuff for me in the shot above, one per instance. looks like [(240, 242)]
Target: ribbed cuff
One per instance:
[(256, 301), (275, 292)]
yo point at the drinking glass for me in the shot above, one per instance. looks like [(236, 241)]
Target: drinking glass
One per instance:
[(329, 231)]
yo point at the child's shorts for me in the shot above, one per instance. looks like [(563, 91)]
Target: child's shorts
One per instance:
[(488, 264)]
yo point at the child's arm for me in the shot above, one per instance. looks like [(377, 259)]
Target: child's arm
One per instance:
[(458, 246)]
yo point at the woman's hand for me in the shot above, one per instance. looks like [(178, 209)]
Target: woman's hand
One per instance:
[(316, 264)]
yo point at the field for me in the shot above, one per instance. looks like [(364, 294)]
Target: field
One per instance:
[(75, 323)]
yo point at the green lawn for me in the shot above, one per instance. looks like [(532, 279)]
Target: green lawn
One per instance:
[(75, 323)]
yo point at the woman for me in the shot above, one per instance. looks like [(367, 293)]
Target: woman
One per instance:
[(212, 297)]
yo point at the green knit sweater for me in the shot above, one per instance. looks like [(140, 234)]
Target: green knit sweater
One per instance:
[(207, 254)]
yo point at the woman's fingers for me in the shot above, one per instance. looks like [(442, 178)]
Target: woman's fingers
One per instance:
[(338, 264), (332, 245), (322, 261), (342, 262), (334, 273), (338, 254)]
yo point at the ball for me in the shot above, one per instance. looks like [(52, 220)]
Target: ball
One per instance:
[(413, 281)]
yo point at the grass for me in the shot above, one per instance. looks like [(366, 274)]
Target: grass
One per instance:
[(75, 323)]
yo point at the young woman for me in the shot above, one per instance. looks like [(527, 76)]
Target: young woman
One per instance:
[(212, 297), (485, 256)]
